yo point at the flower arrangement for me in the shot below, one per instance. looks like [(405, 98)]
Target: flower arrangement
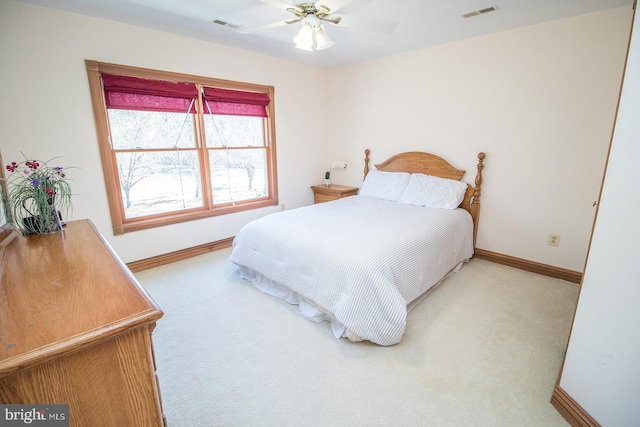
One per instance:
[(37, 196)]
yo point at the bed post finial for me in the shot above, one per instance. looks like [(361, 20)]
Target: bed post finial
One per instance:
[(366, 162), (475, 204), (476, 191)]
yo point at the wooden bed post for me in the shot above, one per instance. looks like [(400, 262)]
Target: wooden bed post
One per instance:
[(475, 204), (366, 163)]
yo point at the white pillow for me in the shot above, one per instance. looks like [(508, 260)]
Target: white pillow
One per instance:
[(385, 185), (434, 192)]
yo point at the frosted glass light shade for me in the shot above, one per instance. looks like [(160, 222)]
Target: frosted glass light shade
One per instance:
[(304, 39), (322, 39)]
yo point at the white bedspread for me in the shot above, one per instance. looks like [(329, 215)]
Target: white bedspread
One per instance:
[(361, 259)]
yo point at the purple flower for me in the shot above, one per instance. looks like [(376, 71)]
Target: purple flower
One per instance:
[(35, 182)]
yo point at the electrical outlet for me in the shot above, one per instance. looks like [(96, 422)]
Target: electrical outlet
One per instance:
[(554, 240), (282, 207)]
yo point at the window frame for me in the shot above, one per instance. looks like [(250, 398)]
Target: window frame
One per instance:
[(120, 223)]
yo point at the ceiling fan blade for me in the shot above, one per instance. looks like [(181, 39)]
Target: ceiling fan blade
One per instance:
[(329, 18), (299, 13), (333, 5), (263, 27), (368, 24), (278, 3)]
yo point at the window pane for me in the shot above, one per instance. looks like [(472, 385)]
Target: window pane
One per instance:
[(150, 129), (233, 131), (159, 182), (238, 175)]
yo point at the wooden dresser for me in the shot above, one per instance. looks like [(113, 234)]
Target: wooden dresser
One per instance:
[(322, 193), (75, 328)]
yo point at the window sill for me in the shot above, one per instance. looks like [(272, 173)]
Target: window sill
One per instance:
[(176, 218)]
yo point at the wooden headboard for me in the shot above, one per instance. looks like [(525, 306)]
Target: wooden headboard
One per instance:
[(430, 164)]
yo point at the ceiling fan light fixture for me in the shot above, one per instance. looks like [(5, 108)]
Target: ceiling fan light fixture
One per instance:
[(311, 20), (304, 39), (322, 38)]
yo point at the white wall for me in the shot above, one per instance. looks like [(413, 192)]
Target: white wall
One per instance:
[(539, 100), (601, 367), (45, 110)]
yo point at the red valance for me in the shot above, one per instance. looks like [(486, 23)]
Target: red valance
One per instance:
[(235, 102), (133, 93)]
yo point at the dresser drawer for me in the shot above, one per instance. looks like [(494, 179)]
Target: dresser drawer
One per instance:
[(322, 193), (321, 198)]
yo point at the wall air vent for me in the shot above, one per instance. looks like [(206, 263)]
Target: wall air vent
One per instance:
[(225, 24), (480, 11)]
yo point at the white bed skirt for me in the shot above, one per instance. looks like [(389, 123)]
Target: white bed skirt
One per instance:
[(310, 311)]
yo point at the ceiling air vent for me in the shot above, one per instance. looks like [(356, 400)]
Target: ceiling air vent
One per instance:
[(225, 24), (480, 11)]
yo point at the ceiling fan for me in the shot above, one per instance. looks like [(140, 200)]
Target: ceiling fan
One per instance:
[(312, 15), (320, 11)]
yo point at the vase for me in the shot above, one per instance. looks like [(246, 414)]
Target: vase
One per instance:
[(327, 182), (44, 219)]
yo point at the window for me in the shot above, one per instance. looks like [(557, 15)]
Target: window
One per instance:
[(177, 147)]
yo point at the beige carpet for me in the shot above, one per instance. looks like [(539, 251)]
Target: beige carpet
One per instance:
[(484, 349)]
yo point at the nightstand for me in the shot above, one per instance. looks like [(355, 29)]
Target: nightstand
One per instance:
[(322, 193)]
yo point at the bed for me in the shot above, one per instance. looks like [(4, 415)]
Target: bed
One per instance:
[(362, 262)]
